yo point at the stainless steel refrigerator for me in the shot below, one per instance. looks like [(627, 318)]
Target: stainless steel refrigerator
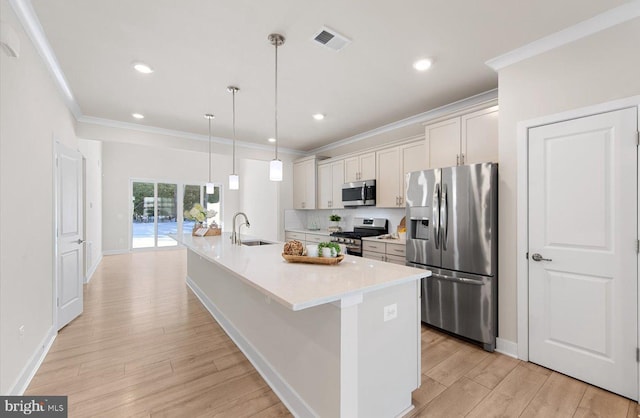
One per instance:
[(452, 230)]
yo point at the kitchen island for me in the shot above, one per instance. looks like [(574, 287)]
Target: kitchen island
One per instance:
[(331, 340)]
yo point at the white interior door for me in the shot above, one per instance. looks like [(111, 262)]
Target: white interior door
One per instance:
[(583, 214), (70, 252)]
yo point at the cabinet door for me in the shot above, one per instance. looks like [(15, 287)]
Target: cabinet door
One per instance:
[(388, 178), (325, 186), (337, 179), (414, 158), (351, 169), (480, 136), (368, 166), (443, 143), (299, 185), (310, 184)]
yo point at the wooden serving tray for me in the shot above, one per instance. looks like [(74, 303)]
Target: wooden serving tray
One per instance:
[(313, 260)]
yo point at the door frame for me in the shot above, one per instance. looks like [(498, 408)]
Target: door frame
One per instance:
[(522, 199)]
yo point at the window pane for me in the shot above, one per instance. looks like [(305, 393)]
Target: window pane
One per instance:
[(213, 203), (143, 212), (191, 197), (167, 214)]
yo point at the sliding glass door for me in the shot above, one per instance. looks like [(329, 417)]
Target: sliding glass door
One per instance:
[(158, 211)]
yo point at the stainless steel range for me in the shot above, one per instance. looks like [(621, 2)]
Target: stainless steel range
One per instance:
[(362, 227)]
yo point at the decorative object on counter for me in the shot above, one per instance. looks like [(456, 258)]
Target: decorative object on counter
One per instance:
[(328, 249), (209, 187), (313, 260), (312, 250), (275, 166), (199, 214), (334, 219), (314, 224), (402, 229), (234, 179), (293, 248)]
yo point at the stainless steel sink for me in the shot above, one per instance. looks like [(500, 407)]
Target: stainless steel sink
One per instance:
[(257, 242)]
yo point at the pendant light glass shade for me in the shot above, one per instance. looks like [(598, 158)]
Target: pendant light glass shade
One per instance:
[(234, 179), (275, 166), (209, 189), (234, 182), (275, 170)]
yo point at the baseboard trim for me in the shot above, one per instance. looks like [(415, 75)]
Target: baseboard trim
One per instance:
[(115, 252), (33, 364), (93, 270), (286, 393), (506, 347)]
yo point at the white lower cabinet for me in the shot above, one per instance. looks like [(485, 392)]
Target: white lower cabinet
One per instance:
[(384, 251), (306, 238)]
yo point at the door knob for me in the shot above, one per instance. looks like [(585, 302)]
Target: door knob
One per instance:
[(538, 257), (80, 241)]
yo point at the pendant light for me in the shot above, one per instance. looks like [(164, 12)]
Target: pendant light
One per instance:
[(209, 187), (275, 166), (234, 179)]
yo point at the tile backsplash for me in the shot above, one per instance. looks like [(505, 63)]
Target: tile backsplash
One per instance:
[(319, 219)]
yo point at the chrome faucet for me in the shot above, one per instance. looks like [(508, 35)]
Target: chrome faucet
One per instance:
[(235, 238)]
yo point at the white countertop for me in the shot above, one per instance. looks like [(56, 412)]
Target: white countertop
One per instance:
[(295, 285), (386, 240)]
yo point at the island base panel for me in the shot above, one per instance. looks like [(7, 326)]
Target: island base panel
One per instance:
[(326, 360)]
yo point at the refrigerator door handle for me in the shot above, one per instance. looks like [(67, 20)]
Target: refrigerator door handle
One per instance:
[(457, 279), (436, 216), (444, 218)]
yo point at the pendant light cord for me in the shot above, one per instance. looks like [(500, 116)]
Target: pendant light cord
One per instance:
[(208, 117), (234, 131), (276, 98)]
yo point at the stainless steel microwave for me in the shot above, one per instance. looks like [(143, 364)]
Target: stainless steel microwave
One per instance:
[(359, 193)]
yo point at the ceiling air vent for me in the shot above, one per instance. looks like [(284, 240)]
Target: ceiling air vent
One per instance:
[(331, 39)]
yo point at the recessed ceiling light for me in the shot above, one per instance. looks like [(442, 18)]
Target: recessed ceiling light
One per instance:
[(142, 68), (137, 115), (271, 140), (423, 64), (318, 116)]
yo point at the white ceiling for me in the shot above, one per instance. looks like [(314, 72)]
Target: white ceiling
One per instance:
[(199, 47)]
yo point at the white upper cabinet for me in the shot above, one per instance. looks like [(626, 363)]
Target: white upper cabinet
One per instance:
[(414, 158), (466, 139), (304, 184), (480, 136), (392, 164), (443, 143), (360, 167), (388, 178), (330, 180)]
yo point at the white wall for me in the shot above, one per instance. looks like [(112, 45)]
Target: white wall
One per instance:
[(593, 70), (92, 152), (32, 113), (259, 199), (125, 161)]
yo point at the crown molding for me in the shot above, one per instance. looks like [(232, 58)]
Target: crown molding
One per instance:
[(29, 20), (110, 123), (605, 20), (486, 97)]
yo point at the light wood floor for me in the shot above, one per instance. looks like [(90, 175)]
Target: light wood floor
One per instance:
[(145, 346)]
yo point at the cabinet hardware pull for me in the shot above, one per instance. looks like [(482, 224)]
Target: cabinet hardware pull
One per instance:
[(457, 159)]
